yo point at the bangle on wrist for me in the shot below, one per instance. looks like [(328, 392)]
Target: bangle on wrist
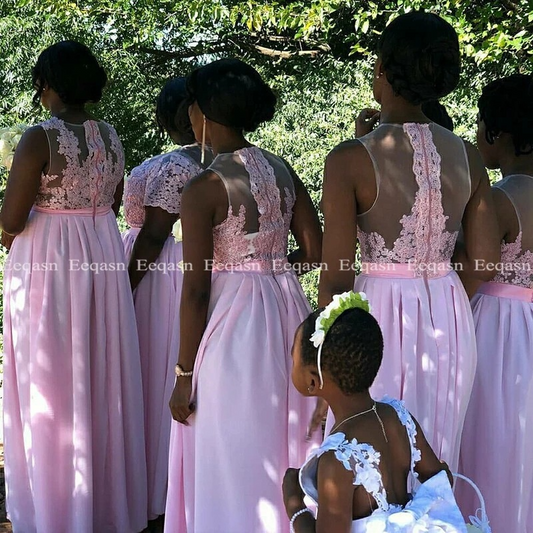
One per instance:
[(180, 373), (296, 515)]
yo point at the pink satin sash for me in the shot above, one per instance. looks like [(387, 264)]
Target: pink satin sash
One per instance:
[(89, 212), (507, 290), (405, 270), (274, 267)]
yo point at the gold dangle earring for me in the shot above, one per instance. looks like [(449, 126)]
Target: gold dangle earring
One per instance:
[(203, 142)]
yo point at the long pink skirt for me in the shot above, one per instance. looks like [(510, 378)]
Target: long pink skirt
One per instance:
[(497, 445), (73, 410), (250, 423), (157, 301), (429, 357)]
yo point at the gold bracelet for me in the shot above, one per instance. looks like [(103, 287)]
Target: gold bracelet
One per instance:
[(180, 373)]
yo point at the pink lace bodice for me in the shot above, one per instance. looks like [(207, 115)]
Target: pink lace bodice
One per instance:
[(517, 256), (159, 182), (86, 165), (257, 226), (422, 238)]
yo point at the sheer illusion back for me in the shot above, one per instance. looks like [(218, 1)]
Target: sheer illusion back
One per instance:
[(261, 197), (519, 253), (86, 165), (423, 185)]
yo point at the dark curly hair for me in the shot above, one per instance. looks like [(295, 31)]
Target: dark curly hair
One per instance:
[(233, 94), (506, 105), (352, 350), (72, 71), (171, 112), (436, 112), (420, 56)]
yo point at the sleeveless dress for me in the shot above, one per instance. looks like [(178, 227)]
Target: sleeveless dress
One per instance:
[(73, 412), (250, 423), (407, 239), (497, 444), (432, 509), (159, 182)]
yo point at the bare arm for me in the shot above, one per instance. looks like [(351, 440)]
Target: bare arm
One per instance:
[(480, 226), (119, 191), (340, 223), (198, 209), (305, 226), (335, 499), (149, 243), (31, 158)]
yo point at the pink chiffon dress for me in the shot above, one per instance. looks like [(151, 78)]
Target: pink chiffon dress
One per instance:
[(407, 239), (250, 423), (159, 183), (73, 410), (497, 444)]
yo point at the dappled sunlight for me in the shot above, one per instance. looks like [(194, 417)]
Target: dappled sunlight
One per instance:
[(269, 515)]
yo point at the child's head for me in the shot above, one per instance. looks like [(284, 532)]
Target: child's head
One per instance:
[(350, 357), (419, 57), (72, 71), (172, 114), (505, 118)]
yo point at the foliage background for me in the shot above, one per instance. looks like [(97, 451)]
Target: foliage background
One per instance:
[(317, 55)]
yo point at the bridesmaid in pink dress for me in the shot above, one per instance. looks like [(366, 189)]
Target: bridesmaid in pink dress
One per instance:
[(73, 411), (242, 421), (403, 192), (497, 447), (155, 200)]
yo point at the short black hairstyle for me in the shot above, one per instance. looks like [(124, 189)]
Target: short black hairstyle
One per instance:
[(506, 105), (171, 112), (420, 56), (436, 112), (72, 71), (232, 93), (352, 350)]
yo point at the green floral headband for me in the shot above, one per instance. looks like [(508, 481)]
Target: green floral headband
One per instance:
[(341, 302)]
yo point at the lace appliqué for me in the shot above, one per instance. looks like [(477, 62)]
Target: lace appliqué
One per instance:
[(407, 421), (518, 266), (165, 188), (361, 459), (423, 239), (135, 190), (82, 184), (268, 247)]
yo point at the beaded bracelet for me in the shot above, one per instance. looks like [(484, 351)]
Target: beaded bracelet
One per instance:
[(296, 515)]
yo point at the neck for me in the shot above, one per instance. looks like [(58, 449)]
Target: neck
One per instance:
[(227, 141), (73, 113), (397, 110), (344, 406), (517, 164)]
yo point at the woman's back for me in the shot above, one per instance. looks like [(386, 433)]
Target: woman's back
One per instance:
[(422, 185), (517, 251), (261, 196), (86, 165)]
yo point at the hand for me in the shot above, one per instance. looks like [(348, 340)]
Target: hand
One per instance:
[(293, 495), (319, 414), (366, 121), (180, 401), (6, 240)]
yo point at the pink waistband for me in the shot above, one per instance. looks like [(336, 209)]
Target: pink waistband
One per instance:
[(406, 270), (90, 212), (507, 290), (274, 267)]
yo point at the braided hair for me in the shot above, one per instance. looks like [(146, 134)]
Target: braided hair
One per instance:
[(420, 56), (506, 105), (352, 350), (172, 113)]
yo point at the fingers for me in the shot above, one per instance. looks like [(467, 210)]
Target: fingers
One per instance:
[(181, 413)]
